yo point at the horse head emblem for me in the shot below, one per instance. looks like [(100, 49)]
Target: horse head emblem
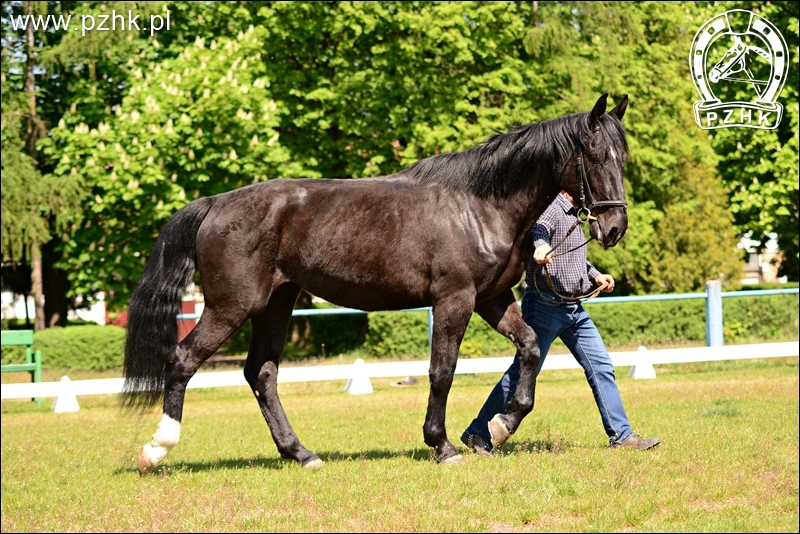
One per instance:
[(757, 57)]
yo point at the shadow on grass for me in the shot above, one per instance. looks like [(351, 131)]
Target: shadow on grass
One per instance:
[(538, 446), (263, 462)]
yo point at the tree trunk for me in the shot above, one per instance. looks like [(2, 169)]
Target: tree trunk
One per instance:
[(55, 285), (36, 276), (30, 88), (30, 81), (301, 326)]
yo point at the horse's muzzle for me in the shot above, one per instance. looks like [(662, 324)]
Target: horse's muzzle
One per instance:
[(609, 230)]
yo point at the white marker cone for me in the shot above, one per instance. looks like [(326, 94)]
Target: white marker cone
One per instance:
[(359, 384), (644, 367), (66, 401)]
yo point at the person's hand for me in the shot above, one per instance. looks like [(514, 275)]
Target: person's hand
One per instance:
[(540, 254), (605, 280)]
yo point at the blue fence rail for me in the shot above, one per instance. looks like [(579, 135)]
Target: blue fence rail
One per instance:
[(713, 295)]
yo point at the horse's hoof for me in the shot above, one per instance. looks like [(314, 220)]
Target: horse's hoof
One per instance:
[(145, 465), (457, 459), (498, 430), (316, 463)]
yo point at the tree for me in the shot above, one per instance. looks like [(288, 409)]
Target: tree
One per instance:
[(760, 167), (592, 47), (34, 206), (200, 124), (240, 92)]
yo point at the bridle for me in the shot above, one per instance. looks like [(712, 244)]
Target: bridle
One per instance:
[(584, 215), (584, 190)]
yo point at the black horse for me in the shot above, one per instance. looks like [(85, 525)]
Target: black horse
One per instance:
[(451, 232)]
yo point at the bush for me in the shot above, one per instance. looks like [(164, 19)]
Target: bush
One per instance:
[(759, 319), (622, 324), (339, 333), (405, 334), (88, 347), (649, 323), (393, 334), (769, 285)]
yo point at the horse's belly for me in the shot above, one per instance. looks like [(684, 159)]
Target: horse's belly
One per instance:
[(370, 297)]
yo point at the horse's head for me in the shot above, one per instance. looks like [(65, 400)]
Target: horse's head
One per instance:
[(594, 174)]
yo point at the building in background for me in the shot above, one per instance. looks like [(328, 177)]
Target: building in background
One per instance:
[(762, 267)]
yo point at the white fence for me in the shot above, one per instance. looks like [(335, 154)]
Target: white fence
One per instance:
[(638, 359)]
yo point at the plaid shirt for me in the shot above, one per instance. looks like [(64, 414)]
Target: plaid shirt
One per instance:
[(572, 274)]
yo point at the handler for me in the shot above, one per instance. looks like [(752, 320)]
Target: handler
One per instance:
[(551, 316)]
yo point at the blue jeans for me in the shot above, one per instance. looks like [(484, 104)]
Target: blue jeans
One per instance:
[(572, 324)]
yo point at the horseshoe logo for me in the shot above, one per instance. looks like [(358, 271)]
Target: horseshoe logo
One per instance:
[(752, 39)]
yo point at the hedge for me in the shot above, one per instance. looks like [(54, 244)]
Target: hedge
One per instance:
[(339, 333), (405, 334), (86, 347), (628, 324)]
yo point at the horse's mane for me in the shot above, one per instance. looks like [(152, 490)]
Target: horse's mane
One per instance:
[(507, 162)]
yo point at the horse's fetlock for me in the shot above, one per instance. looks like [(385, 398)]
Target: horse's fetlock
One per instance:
[(168, 433)]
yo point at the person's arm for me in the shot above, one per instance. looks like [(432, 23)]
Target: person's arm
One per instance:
[(542, 233), (599, 278)]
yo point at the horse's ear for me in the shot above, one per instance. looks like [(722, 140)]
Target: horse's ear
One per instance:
[(598, 111), (619, 109)]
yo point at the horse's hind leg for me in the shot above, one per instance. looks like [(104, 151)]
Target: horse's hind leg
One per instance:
[(261, 372), (187, 356), (504, 315)]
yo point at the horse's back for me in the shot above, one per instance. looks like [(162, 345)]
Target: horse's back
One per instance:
[(373, 243)]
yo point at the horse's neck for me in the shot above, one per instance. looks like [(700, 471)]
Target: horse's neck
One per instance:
[(524, 207)]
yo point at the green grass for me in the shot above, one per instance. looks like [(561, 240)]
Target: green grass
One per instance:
[(728, 460)]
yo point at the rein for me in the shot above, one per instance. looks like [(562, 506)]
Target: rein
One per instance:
[(584, 215)]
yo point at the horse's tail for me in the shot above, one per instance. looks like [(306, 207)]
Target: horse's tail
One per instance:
[(152, 325)]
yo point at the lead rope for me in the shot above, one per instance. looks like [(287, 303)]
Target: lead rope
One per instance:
[(570, 300)]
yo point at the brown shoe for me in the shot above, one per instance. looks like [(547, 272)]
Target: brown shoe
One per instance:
[(477, 444), (635, 441)]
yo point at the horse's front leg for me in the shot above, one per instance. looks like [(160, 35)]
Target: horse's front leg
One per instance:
[(450, 320), (261, 372), (505, 316)]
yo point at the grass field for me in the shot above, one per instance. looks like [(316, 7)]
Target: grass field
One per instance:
[(728, 460)]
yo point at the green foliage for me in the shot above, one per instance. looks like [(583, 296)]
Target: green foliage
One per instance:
[(240, 92), (88, 347), (649, 323), (396, 334), (480, 339), (405, 334), (621, 324), (769, 285), (772, 318), (339, 334), (200, 124), (759, 168), (745, 320), (33, 206)]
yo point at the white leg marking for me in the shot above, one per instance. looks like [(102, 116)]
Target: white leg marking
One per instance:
[(166, 437)]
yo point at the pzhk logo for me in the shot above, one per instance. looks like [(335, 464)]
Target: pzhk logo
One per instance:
[(744, 50)]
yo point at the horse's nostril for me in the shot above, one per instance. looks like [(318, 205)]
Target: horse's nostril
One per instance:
[(612, 233)]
